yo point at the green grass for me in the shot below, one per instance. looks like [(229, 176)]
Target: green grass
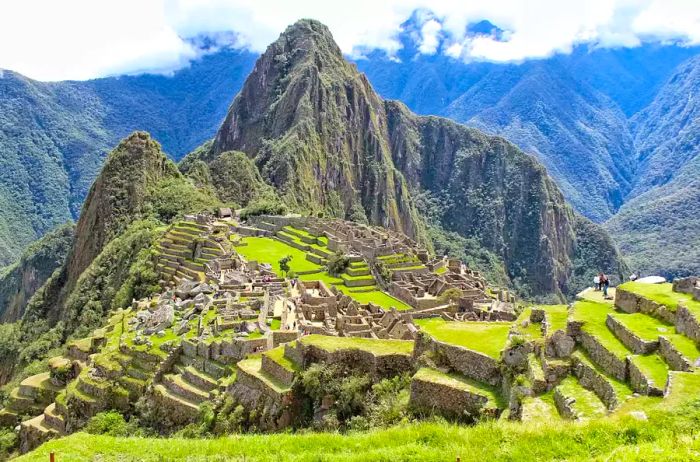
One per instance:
[(644, 326), (622, 389), (441, 270), (684, 345), (485, 337), (593, 315), (378, 347), (377, 297), (587, 403), (461, 382), (533, 330), (653, 367), (666, 435), (268, 250), (663, 294), (275, 324), (557, 316), (277, 355)]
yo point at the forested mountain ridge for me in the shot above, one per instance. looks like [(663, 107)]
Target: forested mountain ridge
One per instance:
[(55, 136), (659, 226)]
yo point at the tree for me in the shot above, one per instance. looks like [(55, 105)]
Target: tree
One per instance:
[(451, 295), (284, 264)]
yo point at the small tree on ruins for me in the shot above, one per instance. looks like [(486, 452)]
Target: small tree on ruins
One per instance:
[(284, 264), (451, 295)]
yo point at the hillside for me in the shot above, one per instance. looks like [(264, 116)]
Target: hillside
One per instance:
[(658, 227), (21, 280), (54, 137), (319, 133)]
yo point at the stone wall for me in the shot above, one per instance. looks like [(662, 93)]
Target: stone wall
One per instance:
[(565, 405), (687, 324), (641, 384), (592, 380), (630, 302), (278, 371), (472, 364), (672, 356), (688, 285), (608, 361), (428, 396), (378, 366), (629, 338)]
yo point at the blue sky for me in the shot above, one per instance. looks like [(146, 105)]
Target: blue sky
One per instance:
[(81, 39)]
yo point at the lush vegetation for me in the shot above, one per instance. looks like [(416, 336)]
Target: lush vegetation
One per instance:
[(20, 281), (665, 435)]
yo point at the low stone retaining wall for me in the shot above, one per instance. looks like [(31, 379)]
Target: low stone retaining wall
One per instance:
[(672, 356), (687, 324), (629, 338), (609, 362), (592, 380), (630, 302), (278, 371), (472, 364), (565, 405), (279, 337), (641, 384), (378, 366), (448, 401)]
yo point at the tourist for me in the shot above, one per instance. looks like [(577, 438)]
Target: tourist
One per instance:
[(596, 283), (634, 277), (605, 283)]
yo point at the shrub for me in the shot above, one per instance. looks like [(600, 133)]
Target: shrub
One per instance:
[(337, 264), (263, 207), (110, 423)]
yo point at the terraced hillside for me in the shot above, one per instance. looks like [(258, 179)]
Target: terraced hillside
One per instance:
[(235, 331)]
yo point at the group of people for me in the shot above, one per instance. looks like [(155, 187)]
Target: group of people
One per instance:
[(602, 282)]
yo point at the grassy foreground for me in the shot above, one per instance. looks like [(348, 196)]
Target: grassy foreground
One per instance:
[(666, 435)]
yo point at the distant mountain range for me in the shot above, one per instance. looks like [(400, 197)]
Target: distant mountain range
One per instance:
[(614, 128)]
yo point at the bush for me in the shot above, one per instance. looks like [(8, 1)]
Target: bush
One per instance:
[(337, 264), (110, 423), (263, 207)]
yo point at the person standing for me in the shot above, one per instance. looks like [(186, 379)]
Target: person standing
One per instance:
[(596, 283), (605, 283)]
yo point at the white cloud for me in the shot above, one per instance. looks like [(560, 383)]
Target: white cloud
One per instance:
[(79, 39)]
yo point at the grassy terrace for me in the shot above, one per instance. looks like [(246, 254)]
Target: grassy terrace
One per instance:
[(557, 316), (666, 435), (533, 330), (266, 250), (587, 403), (277, 355), (646, 327), (663, 294), (378, 347), (462, 383), (593, 315), (622, 389), (485, 337), (252, 367), (653, 367)]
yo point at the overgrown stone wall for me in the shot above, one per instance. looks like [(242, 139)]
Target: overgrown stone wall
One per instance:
[(451, 402), (608, 361), (630, 302), (592, 380), (641, 383), (672, 356), (687, 324), (629, 338), (472, 364)]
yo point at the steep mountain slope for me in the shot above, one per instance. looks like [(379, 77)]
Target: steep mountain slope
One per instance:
[(659, 226), (137, 189), (20, 281), (319, 133), (577, 133), (54, 136)]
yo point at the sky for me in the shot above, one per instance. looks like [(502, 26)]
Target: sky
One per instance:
[(83, 39)]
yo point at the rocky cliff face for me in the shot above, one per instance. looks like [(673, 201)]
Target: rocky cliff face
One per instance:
[(320, 134), (20, 281)]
